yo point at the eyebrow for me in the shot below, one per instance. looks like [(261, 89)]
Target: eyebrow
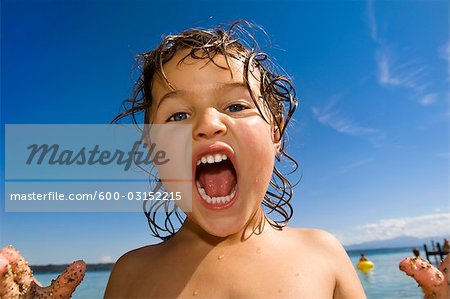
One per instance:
[(219, 87)]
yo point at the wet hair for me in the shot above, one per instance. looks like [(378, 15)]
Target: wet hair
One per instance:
[(235, 41)]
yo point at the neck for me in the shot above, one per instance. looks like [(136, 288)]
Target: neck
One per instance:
[(256, 226)]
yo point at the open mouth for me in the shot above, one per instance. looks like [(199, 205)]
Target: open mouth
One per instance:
[(216, 180)]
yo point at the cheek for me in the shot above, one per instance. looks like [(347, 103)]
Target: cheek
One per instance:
[(258, 154), (257, 137)]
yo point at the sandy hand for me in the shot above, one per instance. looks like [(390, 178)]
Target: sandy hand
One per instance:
[(435, 283), (17, 281)]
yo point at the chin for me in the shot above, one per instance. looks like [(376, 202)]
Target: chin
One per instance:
[(224, 230), (222, 227)]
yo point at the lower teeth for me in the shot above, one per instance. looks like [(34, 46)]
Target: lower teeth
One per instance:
[(216, 200)]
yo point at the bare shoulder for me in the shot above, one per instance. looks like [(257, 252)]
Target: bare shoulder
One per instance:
[(316, 235), (325, 246), (127, 268), (318, 240), (321, 245)]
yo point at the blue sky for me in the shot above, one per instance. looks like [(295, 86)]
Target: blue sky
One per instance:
[(371, 133)]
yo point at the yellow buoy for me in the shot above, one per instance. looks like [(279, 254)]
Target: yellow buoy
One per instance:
[(365, 266)]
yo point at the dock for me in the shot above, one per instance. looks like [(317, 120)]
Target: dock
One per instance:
[(435, 251)]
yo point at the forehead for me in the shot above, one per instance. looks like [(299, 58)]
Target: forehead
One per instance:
[(199, 75)]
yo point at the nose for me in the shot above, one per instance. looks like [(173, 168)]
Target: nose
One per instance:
[(209, 125)]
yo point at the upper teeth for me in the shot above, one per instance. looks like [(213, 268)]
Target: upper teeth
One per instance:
[(212, 159)]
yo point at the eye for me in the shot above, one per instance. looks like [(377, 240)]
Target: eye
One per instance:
[(236, 107), (179, 116)]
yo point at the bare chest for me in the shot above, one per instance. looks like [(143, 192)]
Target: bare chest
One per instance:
[(236, 275)]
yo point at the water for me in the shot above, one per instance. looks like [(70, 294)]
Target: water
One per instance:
[(93, 285), (385, 281)]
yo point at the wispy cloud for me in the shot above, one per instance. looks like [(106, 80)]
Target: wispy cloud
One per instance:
[(356, 164), (444, 51), (419, 226), (406, 74), (372, 20), (409, 75), (331, 117), (428, 99)]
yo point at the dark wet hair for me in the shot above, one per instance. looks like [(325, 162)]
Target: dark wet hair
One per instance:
[(277, 93)]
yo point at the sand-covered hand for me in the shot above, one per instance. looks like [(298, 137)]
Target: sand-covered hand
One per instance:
[(434, 282), (17, 281)]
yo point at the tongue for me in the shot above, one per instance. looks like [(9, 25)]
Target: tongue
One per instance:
[(217, 179)]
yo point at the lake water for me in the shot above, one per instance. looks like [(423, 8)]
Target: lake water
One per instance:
[(383, 282), (386, 280), (93, 285)]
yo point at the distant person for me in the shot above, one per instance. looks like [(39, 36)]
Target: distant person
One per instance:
[(364, 265), (446, 248), (416, 252), (363, 258)]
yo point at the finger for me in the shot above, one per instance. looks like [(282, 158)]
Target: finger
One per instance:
[(37, 282), (22, 273), (430, 279), (444, 267), (65, 284), (3, 264), (8, 288)]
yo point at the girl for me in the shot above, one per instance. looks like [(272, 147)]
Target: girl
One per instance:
[(238, 107)]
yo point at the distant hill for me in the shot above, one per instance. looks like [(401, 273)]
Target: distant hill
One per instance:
[(59, 268), (404, 241)]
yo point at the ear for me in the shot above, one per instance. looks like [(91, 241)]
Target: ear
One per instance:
[(146, 134), (276, 132)]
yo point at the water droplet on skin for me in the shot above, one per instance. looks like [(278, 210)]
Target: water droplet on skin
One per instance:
[(220, 256), (195, 293)]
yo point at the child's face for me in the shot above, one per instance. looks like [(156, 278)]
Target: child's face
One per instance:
[(220, 109)]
